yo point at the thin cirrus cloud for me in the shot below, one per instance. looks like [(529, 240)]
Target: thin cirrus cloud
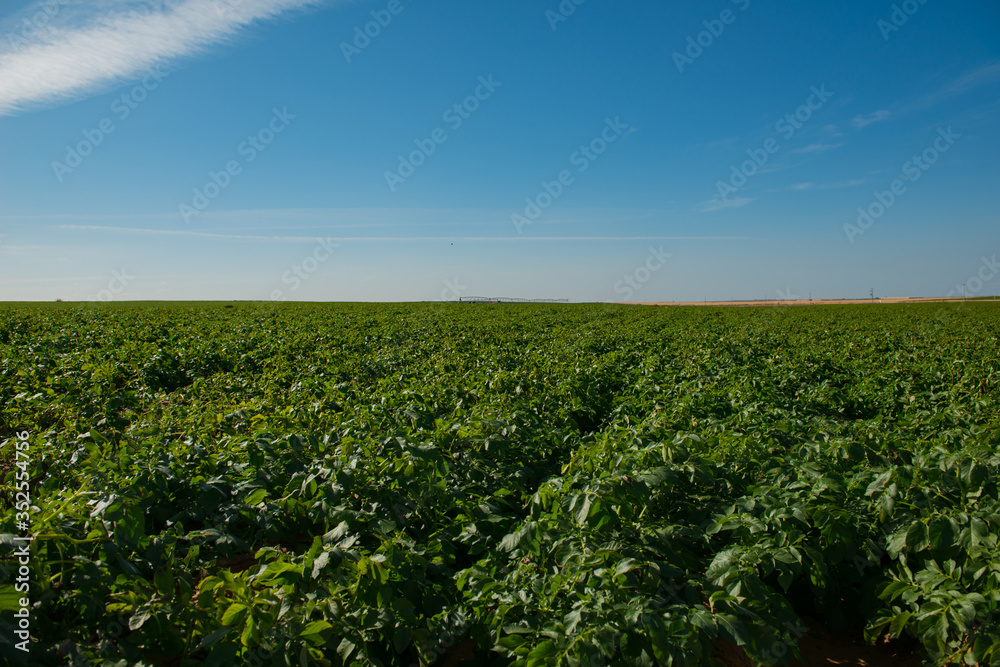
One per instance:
[(864, 120), (718, 204), (86, 46), (387, 239), (816, 148), (981, 76)]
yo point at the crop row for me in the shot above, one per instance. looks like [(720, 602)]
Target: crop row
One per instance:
[(510, 485)]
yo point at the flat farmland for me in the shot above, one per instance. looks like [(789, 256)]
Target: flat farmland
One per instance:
[(358, 484)]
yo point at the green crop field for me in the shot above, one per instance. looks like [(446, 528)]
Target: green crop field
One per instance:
[(496, 484)]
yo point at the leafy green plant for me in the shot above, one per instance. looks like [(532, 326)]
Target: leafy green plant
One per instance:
[(512, 485)]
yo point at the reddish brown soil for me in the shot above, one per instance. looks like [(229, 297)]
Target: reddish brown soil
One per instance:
[(464, 651), (731, 656), (820, 648)]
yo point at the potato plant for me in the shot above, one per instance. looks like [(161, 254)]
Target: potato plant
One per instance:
[(524, 485)]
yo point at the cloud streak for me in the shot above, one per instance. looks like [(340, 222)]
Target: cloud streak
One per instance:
[(864, 120), (387, 239), (87, 47), (717, 204), (983, 76), (816, 148)]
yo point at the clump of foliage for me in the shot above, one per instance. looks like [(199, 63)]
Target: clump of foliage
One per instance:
[(518, 485)]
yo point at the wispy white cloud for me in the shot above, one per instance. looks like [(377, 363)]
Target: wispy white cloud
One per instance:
[(10, 249), (385, 239), (809, 185), (328, 218), (88, 46), (717, 204), (976, 78), (981, 76), (843, 184), (864, 120), (49, 279), (816, 148)]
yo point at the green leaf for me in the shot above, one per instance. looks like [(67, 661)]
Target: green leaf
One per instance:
[(509, 542), (941, 534), (139, 618), (10, 599), (212, 639), (315, 628), (401, 639), (899, 623), (582, 510), (705, 620), (281, 570), (321, 562), (404, 608), (896, 544), (917, 537), (722, 563), (247, 635), (542, 654), (163, 580), (233, 613), (511, 642), (785, 557), (732, 629), (625, 565), (571, 620), (256, 497), (345, 649)]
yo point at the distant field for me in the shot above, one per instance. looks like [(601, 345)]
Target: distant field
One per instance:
[(336, 484), (826, 302)]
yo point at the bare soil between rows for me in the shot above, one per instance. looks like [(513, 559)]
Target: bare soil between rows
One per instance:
[(821, 648)]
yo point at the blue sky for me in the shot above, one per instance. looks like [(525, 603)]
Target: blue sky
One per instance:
[(598, 155)]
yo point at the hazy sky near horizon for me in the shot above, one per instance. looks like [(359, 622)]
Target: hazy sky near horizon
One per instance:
[(396, 150)]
